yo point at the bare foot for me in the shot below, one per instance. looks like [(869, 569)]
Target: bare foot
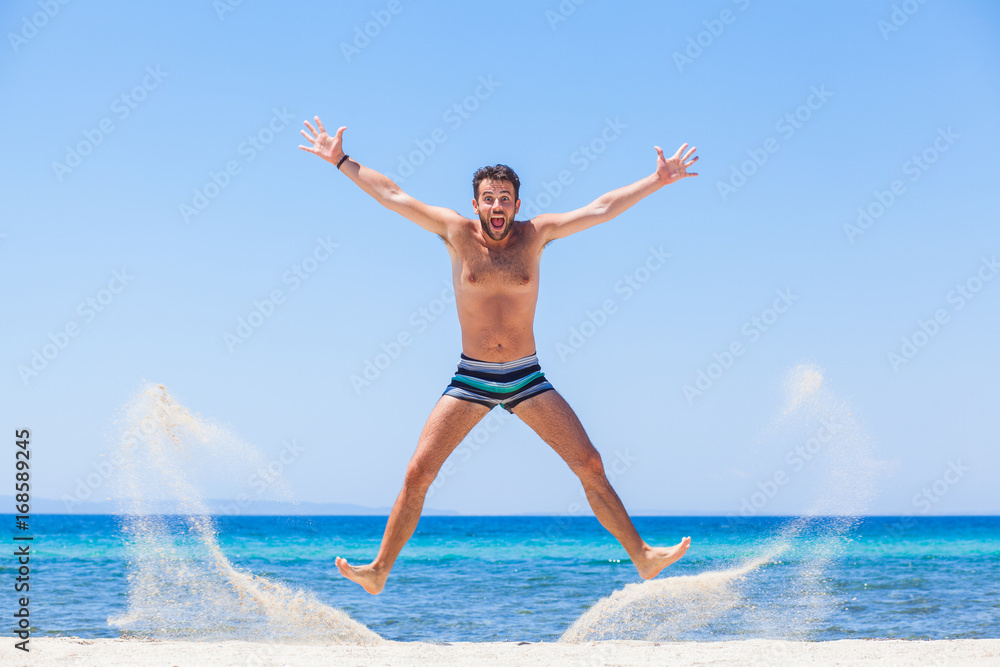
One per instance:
[(365, 576), (656, 558)]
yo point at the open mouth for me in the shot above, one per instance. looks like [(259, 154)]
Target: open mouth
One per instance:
[(497, 222)]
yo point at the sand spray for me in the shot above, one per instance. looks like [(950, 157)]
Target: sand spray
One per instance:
[(780, 592), (180, 583)]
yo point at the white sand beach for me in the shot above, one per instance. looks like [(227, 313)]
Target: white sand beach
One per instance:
[(106, 652)]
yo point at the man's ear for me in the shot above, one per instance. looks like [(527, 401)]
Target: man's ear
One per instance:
[(475, 206), (517, 206)]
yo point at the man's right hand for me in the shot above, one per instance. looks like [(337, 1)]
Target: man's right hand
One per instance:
[(327, 147)]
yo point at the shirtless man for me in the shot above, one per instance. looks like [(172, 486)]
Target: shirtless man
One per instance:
[(495, 269)]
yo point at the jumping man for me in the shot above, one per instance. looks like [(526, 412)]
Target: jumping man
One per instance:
[(494, 264)]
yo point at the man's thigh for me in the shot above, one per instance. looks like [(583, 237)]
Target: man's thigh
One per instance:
[(549, 415), (449, 422)]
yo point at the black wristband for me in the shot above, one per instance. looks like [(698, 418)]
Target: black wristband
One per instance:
[(342, 160)]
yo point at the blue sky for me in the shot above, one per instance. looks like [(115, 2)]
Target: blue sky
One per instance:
[(123, 119)]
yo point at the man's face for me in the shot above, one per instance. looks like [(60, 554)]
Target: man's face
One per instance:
[(496, 208)]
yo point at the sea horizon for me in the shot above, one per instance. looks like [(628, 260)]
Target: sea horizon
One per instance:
[(54, 506)]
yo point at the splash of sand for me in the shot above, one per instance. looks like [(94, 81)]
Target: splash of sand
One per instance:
[(801, 383), (666, 609), (181, 584), (742, 601)]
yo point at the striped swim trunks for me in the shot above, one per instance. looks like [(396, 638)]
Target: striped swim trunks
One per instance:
[(504, 383)]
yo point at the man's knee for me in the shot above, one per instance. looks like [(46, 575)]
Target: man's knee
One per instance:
[(590, 466), (418, 476)]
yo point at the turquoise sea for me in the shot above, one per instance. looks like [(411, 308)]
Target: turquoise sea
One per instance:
[(527, 578)]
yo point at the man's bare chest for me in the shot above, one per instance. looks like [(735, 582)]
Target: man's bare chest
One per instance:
[(484, 265), (511, 267)]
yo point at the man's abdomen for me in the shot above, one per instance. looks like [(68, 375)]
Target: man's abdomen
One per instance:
[(498, 328)]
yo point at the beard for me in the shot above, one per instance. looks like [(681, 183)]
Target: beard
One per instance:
[(484, 220)]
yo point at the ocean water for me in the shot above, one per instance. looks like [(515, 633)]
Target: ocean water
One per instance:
[(532, 578)]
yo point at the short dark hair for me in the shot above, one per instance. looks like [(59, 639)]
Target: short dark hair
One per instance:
[(498, 172)]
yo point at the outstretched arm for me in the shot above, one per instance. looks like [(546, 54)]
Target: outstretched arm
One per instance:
[(432, 218), (607, 206)]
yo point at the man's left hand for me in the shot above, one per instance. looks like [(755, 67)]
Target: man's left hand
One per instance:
[(672, 169)]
